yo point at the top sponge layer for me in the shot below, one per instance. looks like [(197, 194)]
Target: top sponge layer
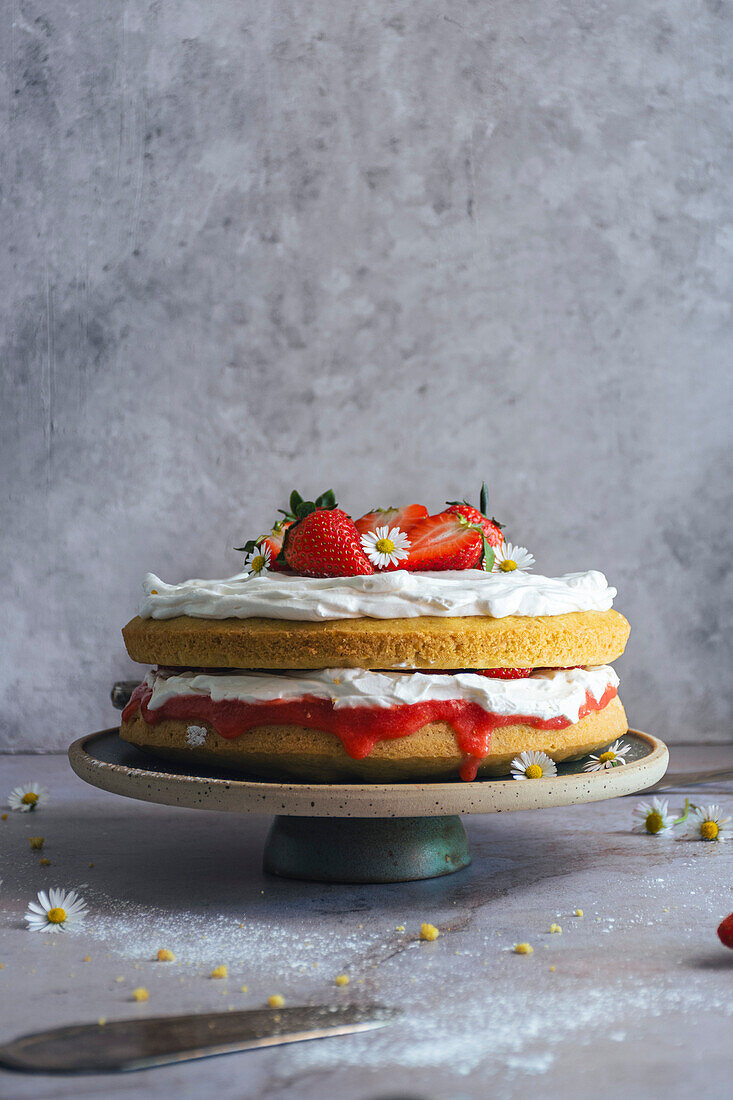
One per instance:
[(514, 641)]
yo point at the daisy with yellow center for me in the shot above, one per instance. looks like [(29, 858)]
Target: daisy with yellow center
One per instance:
[(708, 823), (27, 797), (260, 561), (533, 765), (653, 818), (611, 757), (512, 559), (385, 546), (55, 911)]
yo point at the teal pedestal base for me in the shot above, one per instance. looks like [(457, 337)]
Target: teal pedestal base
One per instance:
[(365, 849)]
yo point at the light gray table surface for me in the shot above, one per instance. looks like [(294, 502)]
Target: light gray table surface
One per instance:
[(640, 1002)]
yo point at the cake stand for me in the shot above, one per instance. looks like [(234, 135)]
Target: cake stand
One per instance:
[(358, 832)]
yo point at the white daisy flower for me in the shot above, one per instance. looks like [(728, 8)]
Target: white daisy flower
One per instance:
[(533, 765), (509, 558), (611, 757), (653, 818), (260, 559), (55, 911), (385, 547), (707, 823), (196, 735), (27, 797)]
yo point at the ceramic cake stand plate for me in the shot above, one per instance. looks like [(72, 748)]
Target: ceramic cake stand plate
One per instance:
[(358, 832)]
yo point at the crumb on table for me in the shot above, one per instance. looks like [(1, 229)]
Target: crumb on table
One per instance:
[(429, 932)]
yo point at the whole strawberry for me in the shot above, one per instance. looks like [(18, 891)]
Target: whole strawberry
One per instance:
[(323, 541), (725, 931), (477, 516)]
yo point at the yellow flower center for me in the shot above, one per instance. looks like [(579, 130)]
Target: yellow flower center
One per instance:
[(56, 916), (29, 798), (507, 566), (709, 830), (259, 563), (654, 821), (606, 756), (534, 771), (384, 546)]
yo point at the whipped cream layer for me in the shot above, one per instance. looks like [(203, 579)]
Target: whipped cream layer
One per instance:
[(395, 595), (559, 693)]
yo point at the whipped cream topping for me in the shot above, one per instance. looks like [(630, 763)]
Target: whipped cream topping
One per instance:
[(558, 693), (395, 595)]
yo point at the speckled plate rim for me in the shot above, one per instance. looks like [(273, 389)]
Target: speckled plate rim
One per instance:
[(367, 799)]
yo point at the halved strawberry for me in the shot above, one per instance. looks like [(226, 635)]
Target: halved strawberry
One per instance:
[(404, 518), (274, 543), (271, 542), (323, 542), (444, 541), (490, 527)]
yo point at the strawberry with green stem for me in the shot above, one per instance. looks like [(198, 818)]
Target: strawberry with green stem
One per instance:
[(263, 552), (478, 516), (323, 541)]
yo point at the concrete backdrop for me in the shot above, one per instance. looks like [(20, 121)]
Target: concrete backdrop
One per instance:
[(392, 247)]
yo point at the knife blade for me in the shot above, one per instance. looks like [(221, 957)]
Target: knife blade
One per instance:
[(157, 1041)]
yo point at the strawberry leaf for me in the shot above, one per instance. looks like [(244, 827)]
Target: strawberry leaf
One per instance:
[(484, 500), (488, 557), (250, 546)]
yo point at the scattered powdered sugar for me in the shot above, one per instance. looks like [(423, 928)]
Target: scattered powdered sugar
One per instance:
[(503, 1012)]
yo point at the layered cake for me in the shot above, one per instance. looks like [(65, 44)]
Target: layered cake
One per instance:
[(398, 646)]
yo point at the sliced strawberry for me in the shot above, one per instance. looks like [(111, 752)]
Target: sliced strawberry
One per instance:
[(493, 673), (325, 543), (445, 541), (505, 673), (490, 527), (404, 518)]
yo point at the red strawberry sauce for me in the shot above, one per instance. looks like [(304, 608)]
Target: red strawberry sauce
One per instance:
[(358, 729)]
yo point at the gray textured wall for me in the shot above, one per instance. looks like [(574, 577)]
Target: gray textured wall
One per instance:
[(392, 247)]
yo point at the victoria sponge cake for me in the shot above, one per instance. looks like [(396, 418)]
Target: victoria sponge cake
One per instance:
[(402, 645)]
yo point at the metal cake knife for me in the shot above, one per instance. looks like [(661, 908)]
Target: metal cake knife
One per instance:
[(158, 1041)]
